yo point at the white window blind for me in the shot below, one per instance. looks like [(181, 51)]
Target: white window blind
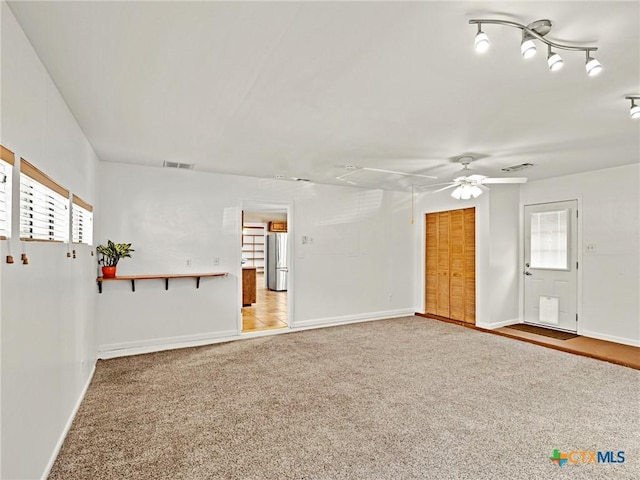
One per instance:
[(550, 240), (6, 174), (44, 206), (81, 221)]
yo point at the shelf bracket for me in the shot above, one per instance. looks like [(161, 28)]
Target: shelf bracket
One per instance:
[(133, 285), (99, 286), (166, 283), (197, 282)]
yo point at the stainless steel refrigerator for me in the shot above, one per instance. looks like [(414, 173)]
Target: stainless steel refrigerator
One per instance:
[(277, 266)]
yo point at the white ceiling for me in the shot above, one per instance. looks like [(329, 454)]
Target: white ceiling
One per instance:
[(302, 88)]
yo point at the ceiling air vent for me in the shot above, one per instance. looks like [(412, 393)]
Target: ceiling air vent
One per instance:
[(184, 166), (517, 168)]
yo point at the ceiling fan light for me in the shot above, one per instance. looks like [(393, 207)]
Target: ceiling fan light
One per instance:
[(635, 111), (476, 191), (554, 61), (481, 42), (457, 193), (528, 48), (593, 67)]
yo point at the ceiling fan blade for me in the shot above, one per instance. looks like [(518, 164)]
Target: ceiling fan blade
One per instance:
[(429, 185), (445, 188), (398, 173), (350, 172), (505, 180), (476, 178)]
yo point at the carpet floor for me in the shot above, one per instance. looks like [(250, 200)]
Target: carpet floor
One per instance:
[(408, 398)]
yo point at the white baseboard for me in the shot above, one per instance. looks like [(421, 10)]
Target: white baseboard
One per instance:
[(611, 338), (343, 320), (67, 426), (114, 350), (503, 323), (124, 349)]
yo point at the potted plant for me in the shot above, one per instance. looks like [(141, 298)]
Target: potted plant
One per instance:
[(109, 255)]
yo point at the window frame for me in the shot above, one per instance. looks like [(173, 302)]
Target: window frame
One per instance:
[(7, 163), (80, 206), (56, 195)]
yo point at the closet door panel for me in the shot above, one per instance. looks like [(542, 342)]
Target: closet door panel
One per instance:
[(470, 265), (431, 260), (443, 265), (456, 265)]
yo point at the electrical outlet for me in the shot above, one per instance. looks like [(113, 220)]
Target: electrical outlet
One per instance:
[(590, 248), (188, 262), (216, 261)]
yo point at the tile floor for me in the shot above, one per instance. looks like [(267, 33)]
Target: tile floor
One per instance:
[(269, 311)]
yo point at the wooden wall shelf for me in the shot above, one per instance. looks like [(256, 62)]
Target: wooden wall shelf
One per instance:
[(165, 277)]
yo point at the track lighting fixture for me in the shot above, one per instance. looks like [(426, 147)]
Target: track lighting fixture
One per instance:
[(635, 109), (592, 65), (527, 47), (536, 31), (482, 41), (554, 60)]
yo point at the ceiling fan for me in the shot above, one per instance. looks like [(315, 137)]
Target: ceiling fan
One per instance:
[(471, 184)]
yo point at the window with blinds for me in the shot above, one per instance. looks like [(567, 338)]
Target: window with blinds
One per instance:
[(6, 169), (44, 206), (81, 221), (550, 240)]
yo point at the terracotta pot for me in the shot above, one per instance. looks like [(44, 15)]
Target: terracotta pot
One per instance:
[(108, 272)]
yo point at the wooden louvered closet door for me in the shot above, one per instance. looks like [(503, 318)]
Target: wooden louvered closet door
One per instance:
[(450, 264)]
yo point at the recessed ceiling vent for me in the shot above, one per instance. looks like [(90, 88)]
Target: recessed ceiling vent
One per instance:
[(184, 166), (517, 168)]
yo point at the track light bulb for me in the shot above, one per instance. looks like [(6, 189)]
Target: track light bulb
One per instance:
[(635, 111), (482, 41), (555, 61), (527, 47), (593, 66)]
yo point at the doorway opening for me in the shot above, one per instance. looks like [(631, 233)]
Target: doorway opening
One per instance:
[(266, 267)]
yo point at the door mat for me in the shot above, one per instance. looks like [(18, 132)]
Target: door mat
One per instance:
[(547, 332)]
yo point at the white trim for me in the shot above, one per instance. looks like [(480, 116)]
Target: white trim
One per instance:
[(503, 323), (246, 204), (579, 270), (611, 338), (116, 350), (67, 426), (362, 317), (124, 349)]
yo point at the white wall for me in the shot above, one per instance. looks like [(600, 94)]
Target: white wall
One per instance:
[(357, 267), (504, 262), (261, 217), (609, 203), (47, 307)]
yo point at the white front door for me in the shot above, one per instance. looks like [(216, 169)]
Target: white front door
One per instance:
[(550, 265)]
